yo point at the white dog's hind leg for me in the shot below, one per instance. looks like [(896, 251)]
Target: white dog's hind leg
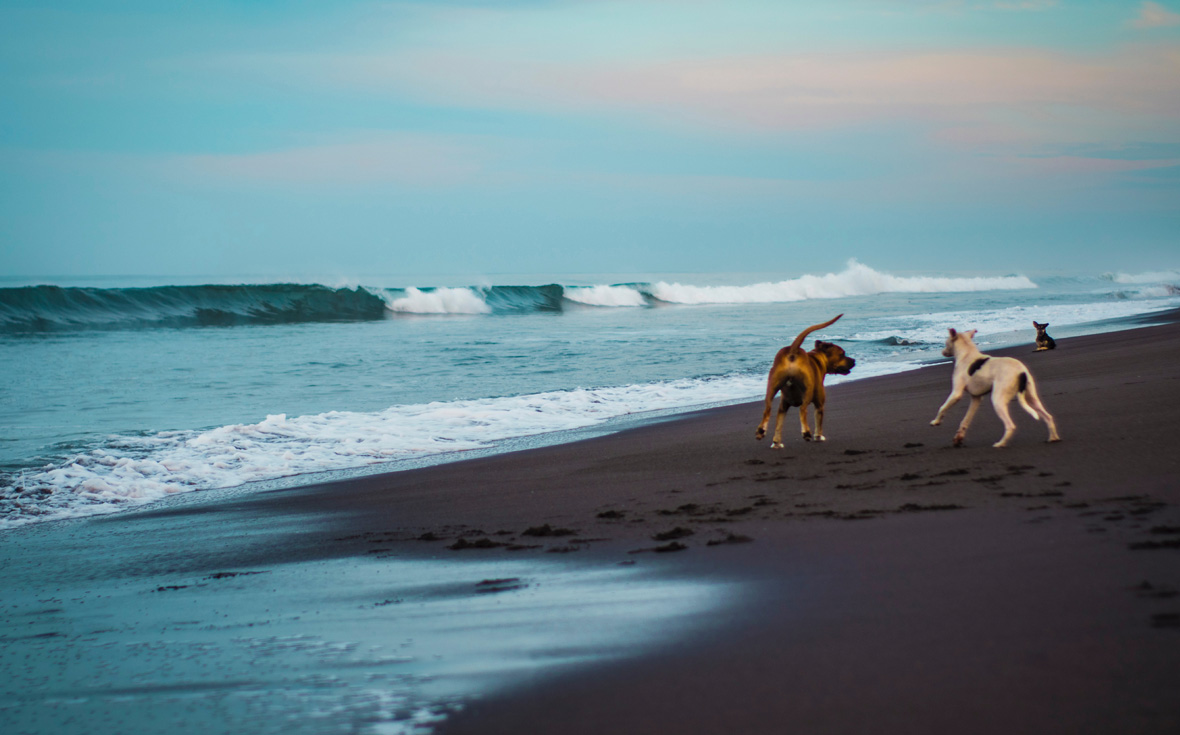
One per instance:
[(1027, 408), (1000, 401), (1034, 402)]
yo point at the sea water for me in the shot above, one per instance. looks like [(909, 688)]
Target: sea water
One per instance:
[(120, 392)]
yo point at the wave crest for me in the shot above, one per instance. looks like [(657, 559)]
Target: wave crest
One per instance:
[(1158, 277), (439, 301), (606, 296), (50, 308), (47, 308), (855, 280)]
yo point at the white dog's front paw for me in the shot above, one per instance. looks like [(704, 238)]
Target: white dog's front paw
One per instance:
[(936, 422)]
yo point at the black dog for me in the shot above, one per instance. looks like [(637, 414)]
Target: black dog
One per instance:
[(1044, 341)]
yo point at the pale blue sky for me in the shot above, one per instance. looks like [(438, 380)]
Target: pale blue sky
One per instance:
[(572, 136)]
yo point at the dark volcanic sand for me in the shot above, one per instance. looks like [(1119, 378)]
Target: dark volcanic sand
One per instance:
[(891, 583)]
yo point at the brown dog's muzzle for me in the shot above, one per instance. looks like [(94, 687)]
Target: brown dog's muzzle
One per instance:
[(845, 366)]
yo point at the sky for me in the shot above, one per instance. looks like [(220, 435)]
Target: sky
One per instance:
[(345, 139)]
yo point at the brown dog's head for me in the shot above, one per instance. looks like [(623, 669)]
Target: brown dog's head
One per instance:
[(838, 362)]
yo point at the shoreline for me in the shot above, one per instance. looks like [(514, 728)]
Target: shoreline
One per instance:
[(889, 582), (603, 427)]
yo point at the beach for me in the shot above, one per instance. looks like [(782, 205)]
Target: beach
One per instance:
[(880, 581)]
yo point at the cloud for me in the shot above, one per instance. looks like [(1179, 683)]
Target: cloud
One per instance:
[(1027, 5), (400, 159), (1073, 165), (1154, 15), (782, 92)]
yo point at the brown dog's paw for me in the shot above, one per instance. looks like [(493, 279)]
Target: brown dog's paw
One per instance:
[(760, 434)]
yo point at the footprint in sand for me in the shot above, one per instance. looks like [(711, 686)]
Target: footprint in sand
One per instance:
[(675, 533), (731, 538)]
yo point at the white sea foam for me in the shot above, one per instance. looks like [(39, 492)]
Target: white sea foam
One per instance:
[(1159, 291), (137, 470), (932, 328), (134, 470), (1157, 277), (855, 280), (438, 301), (606, 296)]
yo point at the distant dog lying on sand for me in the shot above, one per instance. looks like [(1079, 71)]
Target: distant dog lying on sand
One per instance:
[(1044, 341), (800, 377), (1004, 377)]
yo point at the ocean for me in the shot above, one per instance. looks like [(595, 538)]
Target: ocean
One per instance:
[(121, 392)]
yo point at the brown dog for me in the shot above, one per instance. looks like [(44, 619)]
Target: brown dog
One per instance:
[(800, 377)]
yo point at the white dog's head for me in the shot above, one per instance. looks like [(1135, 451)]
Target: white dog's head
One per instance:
[(955, 338)]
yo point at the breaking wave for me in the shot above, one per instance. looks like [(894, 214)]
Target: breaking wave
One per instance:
[(856, 279), (1157, 277), (50, 308)]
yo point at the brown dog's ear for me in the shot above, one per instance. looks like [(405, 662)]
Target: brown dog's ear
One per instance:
[(820, 344), (953, 333), (971, 333)]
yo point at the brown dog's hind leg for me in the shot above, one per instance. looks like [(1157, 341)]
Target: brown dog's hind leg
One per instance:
[(804, 407), (777, 441), (770, 391), (819, 401)]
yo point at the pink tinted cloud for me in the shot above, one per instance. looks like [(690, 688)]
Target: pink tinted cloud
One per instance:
[(1069, 165), (1154, 15), (417, 160), (791, 91)]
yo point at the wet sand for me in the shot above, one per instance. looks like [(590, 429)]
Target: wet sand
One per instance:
[(881, 581)]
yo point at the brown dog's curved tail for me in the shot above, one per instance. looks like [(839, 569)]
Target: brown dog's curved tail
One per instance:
[(803, 335)]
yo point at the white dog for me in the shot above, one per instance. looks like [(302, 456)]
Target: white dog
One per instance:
[(1004, 377)]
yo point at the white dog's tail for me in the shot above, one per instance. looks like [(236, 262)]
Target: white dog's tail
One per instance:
[(1026, 386)]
